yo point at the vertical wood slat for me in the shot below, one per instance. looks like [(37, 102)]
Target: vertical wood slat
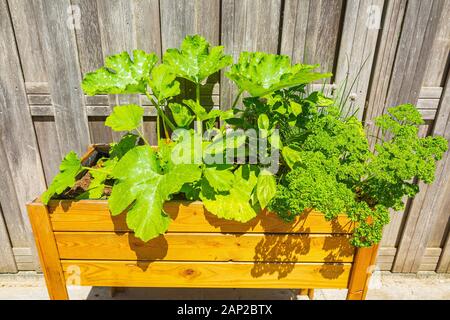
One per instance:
[(417, 227), (248, 25), (357, 49), (25, 17), (384, 63), (16, 127), (7, 262), (305, 37), (362, 269), (48, 251), (117, 35), (444, 261), (64, 77)]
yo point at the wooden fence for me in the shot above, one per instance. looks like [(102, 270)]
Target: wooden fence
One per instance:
[(47, 46)]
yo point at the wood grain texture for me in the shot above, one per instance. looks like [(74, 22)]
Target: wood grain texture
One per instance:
[(206, 274), (88, 36), (247, 25), (362, 269), (48, 252), (117, 34), (205, 247), (16, 130), (64, 77), (305, 37), (7, 262), (27, 24), (357, 50), (93, 215), (426, 208), (444, 261)]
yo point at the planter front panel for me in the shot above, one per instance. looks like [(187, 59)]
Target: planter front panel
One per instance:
[(206, 247), (206, 274)]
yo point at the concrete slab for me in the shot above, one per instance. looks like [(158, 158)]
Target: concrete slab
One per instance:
[(384, 286)]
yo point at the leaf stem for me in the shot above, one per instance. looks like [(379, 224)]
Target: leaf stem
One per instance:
[(163, 115), (237, 99), (97, 170), (141, 135), (197, 98)]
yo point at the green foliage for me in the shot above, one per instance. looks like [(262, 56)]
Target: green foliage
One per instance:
[(69, 168), (181, 115), (125, 118), (121, 74), (261, 73), (235, 203), (163, 83), (196, 61), (266, 188), (325, 164), (142, 189)]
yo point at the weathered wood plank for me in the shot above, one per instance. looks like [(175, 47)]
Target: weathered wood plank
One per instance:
[(117, 35), (205, 247), (89, 215), (7, 262), (64, 78), (208, 274), (28, 32), (248, 25), (88, 36), (418, 33), (45, 129), (304, 35), (17, 134), (437, 63), (444, 261), (147, 25), (357, 51), (384, 63), (426, 207)]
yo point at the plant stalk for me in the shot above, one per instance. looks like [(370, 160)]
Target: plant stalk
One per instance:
[(237, 99)]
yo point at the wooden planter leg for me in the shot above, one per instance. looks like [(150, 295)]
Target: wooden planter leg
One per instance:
[(362, 269), (307, 292), (48, 251)]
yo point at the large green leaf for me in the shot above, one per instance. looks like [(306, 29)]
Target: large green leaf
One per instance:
[(265, 188), (291, 156), (125, 118), (69, 169), (261, 73), (196, 60), (163, 83), (220, 179), (234, 205), (121, 75), (142, 190), (181, 115)]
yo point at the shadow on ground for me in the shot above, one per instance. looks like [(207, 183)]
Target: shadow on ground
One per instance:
[(101, 293)]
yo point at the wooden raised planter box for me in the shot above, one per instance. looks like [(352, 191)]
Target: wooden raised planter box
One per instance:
[(80, 243)]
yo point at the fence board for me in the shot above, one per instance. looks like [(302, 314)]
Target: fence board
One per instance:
[(25, 16), (16, 128), (247, 25), (304, 35), (384, 62), (64, 78), (417, 228), (7, 262), (356, 53)]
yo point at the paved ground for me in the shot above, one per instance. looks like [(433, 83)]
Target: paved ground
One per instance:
[(384, 285)]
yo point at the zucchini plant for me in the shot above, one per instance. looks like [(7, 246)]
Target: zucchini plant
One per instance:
[(302, 153)]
